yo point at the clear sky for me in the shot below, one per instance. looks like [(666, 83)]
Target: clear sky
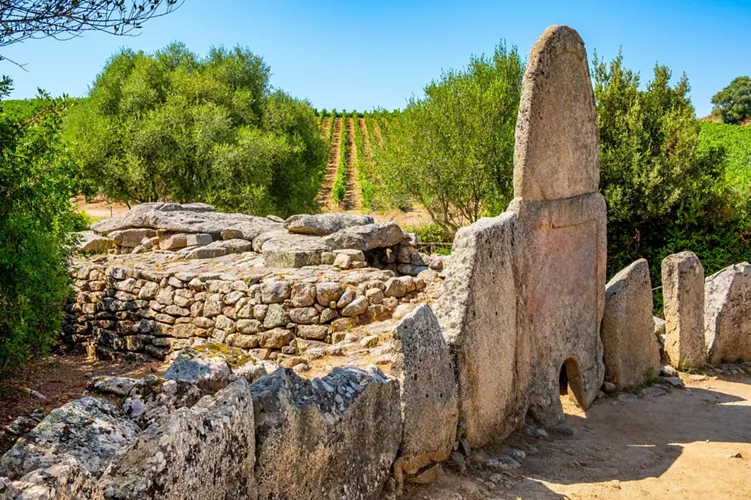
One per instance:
[(360, 55)]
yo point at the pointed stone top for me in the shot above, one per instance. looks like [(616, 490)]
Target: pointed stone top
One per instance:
[(556, 153)]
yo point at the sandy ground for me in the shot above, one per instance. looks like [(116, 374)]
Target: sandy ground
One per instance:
[(101, 209), (692, 443)]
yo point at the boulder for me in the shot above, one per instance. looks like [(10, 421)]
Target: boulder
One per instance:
[(366, 237), (208, 372), (206, 451), (683, 303), (219, 249), (727, 314), (187, 218), (478, 316), (325, 224), (630, 347), (90, 242), (130, 237), (65, 480), (421, 361), (88, 431), (292, 250), (348, 423)]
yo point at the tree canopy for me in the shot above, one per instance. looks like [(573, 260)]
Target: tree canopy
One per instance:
[(733, 103), (176, 126)]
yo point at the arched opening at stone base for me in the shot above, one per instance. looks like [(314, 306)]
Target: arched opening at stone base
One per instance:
[(570, 383)]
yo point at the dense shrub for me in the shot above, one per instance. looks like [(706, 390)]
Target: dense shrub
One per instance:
[(36, 217), (735, 141), (666, 192), (174, 126), (733, 103), (452, 151)]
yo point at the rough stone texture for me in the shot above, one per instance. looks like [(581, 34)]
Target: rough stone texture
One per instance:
[(292, 250), (219, 249), (366, 237), (334, 437), (187, 218), (556, 154), (88, 431), (206, 451), (65, 480), (727, 314), (422, 364), (683, 303), (209, 373), (324, 224), (563, 266), (131, 237), (478, 315), (90, 242), (630, 345)]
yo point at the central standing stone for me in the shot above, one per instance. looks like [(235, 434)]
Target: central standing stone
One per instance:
[(561, 224)]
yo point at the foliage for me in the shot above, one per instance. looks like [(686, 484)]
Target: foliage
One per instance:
[(24, 19), (36, 218), (733, 103), (452, 151), (665, 192), (174, 126), (736, 143)]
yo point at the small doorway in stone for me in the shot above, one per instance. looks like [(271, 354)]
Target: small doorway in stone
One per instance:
[(570, 384)]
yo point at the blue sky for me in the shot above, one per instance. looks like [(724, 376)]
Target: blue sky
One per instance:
[(359, 55)]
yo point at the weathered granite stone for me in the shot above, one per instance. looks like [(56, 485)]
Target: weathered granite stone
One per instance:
[(130, 237), (206, 451), (324, 224), (421, 361), (327, 292), (292, 250), (88, 430), (220, 248), (274, 291), (64, 480), (630, 347), (683, 303), (208, 372), (556, 154), (188, 218), (478, 315), (356, 307), (90, 242), (727, 314), (366, 237), (348, 422)]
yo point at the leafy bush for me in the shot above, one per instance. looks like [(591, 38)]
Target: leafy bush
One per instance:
[(174, 126), (666, 192), (36, 217), (452, 151), (735, 141), (733, 103)]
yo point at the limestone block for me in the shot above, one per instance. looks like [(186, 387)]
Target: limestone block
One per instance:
[(90, 242), (421, 361), (629, 343), (727, 314), (366, 237), (131, 237), (209, 373), (683, 302)]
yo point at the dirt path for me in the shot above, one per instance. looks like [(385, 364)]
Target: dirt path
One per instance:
[(684, 444), (353, 196), (365, 138), (324, 195), (325, 124)]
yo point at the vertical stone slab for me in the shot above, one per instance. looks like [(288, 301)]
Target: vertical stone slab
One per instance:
[(561, 228), (556, 153), (478, 315), (683, 302), (727, 314), (630, 346), (422, 364)]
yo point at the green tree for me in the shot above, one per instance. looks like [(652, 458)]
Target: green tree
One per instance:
[(733, 103), (36, 218), (174, 126), (452, 151), (665, 192)]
